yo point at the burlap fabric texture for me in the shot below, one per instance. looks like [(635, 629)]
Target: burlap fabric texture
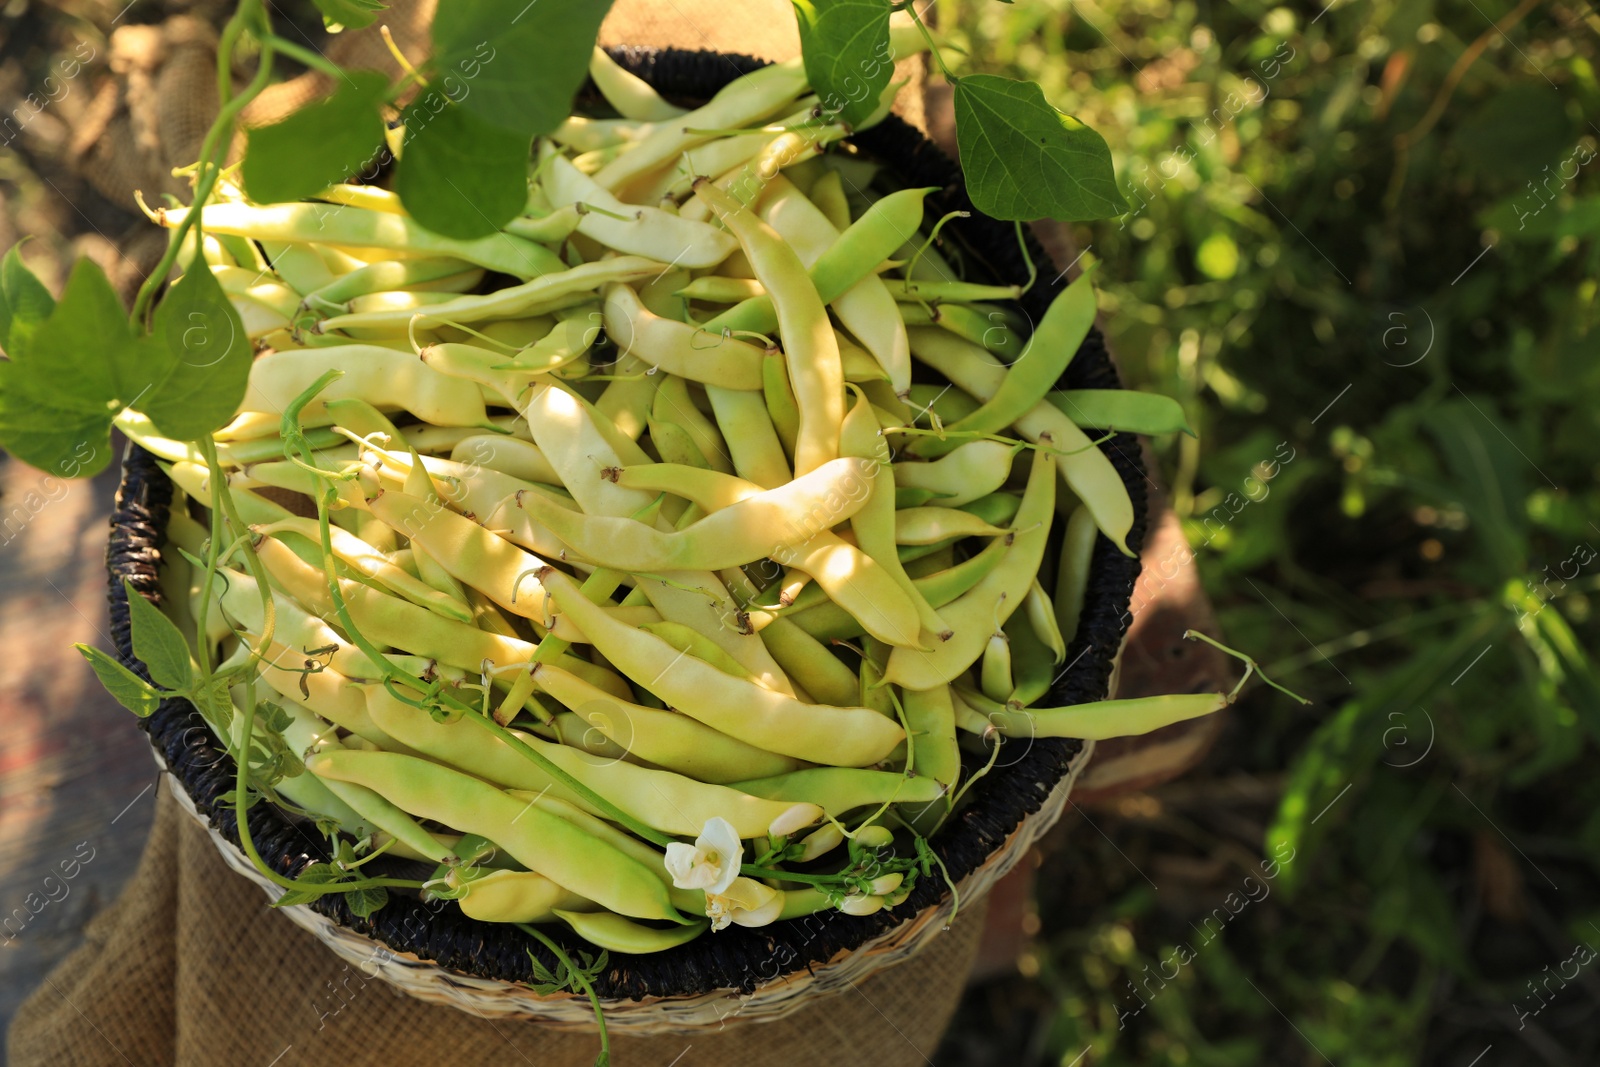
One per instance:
[(191, 966)]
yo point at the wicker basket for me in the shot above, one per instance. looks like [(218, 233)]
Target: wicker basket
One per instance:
[(435, 953)]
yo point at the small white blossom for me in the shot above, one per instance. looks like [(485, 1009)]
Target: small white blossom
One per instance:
[(711, 863)]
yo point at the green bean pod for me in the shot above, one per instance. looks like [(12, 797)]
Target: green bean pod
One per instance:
[(664, 800), (840, 789), (1085, 469), (1106, 718), (753, 446), (1072, 572), (615, 934), (988, 604), (808, 661), (548, 292), (544, 843), (929, 525), (974, 469), (1035, 370), (1122, 409), (355, 227)]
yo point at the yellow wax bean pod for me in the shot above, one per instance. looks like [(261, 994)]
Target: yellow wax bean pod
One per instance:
[(582, 134), (644, 231), (929, 525), (976, 613), (667, 739), (371, 562), (716, 289), (385, 816), (811, 352), (859, 366), (367, 196), (931, 717), (827, 192), (358, 227), (854, 579), (840, 789), (691, 641), (866, 308), (382, 377), (515, 897), (626, 402), (1042, 617), (545, 293), (677, 347), (755, 527), (401, 300), (568, 434), (973, 470), (1105, 718), (995, 678), (782, 409), (1085, 469), (544, 843), (674, 404), (810, 663), (502, 382), (661, 799), (689, 900), (505, 455), (750, 98), (761, 717), (616, 934), (752, 440), (630, 95), (874, 524), (1072, 573), (329, 694), (239, 597), (471, 554)]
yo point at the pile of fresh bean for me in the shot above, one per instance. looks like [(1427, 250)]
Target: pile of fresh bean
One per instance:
[(724, 499)]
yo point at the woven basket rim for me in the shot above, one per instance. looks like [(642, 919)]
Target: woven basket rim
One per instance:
[(732, 962)]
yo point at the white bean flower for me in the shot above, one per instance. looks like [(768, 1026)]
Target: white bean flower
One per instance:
[(746, 902), (711, 863)]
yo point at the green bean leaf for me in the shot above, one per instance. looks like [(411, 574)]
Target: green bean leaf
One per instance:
[(1025, 160), (516, 64), (349, 14), (24, 302), (459, 175), (1122, 409), (210, 357), (316, 874), (158, 643), (363, 902), (316, 145), (845, 47), (78, 369), (130, 690)]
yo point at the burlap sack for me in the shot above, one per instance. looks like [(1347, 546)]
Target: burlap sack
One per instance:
[(192, 968)]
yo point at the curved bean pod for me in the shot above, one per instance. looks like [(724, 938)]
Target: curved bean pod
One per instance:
[(544, 843), (616, 934), (1072, 572), (972, 470), (1106, 718), (677, 347), (763, 718), (382, 377), (661, 799), (545, 293), (356, 227), (1086, 470), (811, 352), (515, 897), (665, 738), (929, 525), (840, 789), (976, 613)]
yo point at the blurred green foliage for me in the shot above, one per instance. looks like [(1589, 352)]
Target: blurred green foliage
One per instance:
[(1366, 236)]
